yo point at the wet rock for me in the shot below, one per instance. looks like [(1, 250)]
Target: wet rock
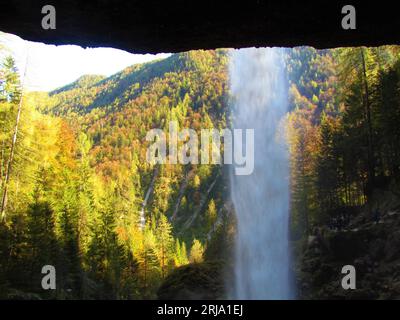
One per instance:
[(373, 250), (392, 247), (376, 249), (347, 245)]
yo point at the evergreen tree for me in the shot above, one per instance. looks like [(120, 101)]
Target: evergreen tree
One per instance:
[(164, 242)]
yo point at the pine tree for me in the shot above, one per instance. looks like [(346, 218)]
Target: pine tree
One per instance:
[(180, 254), (11, 92), (164, 238), (149, 267)]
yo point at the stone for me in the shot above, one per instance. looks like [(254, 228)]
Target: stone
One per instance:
[(152, 26)]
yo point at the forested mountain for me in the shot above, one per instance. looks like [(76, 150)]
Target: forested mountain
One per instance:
[(80, 181), (344, 142), (75, 182)]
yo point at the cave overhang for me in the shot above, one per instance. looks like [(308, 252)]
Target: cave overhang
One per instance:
[(153, 26)]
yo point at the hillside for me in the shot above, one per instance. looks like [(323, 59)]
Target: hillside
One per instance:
[(78, 192), (88, 176)]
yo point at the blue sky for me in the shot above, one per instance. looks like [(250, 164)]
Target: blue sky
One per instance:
[(49, 67)]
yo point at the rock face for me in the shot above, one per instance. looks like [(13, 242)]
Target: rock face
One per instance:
[(203, 281), (150, 26), (372, 248)]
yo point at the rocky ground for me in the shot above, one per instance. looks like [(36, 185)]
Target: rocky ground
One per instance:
[(203, 281), (371, 246)]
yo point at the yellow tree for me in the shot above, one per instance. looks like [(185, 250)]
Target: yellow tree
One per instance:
[(211, 214), (196, 252), (12, 94)]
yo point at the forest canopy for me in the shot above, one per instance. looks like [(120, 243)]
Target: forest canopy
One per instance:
[(75, 185)]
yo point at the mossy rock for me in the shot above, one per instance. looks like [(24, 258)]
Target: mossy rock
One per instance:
[(21, 295), (202, 281)]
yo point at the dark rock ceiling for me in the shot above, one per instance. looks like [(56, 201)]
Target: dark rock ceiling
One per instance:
[(150, 26)]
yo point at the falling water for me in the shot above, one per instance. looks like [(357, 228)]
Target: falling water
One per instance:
[(261, 200)]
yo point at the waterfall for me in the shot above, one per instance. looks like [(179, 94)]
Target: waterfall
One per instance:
[(261, 200)]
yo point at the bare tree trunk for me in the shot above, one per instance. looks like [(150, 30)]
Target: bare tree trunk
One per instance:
[(2, 163), (371, 165), (162, 261), (9, 164), (145, 274)]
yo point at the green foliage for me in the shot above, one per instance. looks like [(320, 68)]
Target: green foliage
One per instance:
[(180, 257), (165, 244), (342, 149), (80, 182), (10, 90), (80, 171)]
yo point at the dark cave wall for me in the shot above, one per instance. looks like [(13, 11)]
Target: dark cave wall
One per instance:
[(153, 26)]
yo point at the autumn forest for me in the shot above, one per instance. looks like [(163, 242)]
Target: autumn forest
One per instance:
[(75, 184)]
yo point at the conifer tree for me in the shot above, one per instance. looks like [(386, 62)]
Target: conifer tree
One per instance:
[(164, 238)]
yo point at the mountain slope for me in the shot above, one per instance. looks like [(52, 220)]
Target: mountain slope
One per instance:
[(117, 112)]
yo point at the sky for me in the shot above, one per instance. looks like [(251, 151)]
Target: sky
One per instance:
[(49, 67)]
